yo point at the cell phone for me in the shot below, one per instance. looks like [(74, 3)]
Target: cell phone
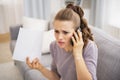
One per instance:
[(74, 36)]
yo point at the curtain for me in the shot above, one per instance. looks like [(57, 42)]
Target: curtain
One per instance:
[(11, 12), (37, 8), (108, 16), (107, 12), (42, 9)]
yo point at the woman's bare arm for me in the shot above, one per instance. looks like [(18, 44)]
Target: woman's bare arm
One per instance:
[(35, 64), (81, 68)]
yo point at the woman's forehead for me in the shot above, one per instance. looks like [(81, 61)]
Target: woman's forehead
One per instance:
[(63, 24)]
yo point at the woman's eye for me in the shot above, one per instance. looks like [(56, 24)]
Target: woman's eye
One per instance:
[(56, 31), (65, 32)]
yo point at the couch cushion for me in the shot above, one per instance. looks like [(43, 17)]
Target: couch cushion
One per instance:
[(14, 30), (35, 23), (48, 37), (34, 75), (12, 45), (108, 56), (22, 66), (46, 60)]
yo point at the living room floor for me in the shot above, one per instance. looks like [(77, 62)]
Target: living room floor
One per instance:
[(7, 68)]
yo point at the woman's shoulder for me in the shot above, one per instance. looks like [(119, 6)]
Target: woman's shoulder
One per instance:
[(91, 44), (91, 47), (53, 44)]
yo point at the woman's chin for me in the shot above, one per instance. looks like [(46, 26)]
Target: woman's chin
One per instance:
[(61, 45)]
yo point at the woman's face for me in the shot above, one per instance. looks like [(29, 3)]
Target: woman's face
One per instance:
[(63, 31)]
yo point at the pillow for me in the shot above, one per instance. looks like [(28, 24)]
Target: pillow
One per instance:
[(35, 23), (48, 37)]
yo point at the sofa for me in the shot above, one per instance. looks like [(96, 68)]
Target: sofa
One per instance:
[(108, 67)]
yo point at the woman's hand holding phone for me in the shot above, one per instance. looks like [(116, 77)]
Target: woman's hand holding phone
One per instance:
[(77, 42)]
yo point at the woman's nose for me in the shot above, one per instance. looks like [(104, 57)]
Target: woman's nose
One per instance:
[(60, 36)]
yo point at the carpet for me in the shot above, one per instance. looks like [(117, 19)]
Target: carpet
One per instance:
[(8, 71), (5, 53)]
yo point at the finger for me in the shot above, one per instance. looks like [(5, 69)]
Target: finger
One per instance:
[(73, 39), (36, 60), (79, 34), (76, 36), (28, 62), (33, 62), (80, 39), (35, 65)]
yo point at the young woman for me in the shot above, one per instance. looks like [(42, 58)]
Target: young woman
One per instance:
[(74, 52)]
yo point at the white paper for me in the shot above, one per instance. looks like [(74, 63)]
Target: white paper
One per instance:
[(29, 44)]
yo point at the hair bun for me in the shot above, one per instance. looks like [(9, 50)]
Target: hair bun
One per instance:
[(70, 6), (77, 9)]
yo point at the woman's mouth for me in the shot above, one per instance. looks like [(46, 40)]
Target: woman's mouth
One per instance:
[(60, 43)]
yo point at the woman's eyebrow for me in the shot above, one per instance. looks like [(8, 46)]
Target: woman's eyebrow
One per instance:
[(65, 31)]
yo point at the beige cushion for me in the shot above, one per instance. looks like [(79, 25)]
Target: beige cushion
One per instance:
[(48, 37), (35, 23)]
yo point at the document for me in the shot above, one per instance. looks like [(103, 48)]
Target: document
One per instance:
[(29, 44)]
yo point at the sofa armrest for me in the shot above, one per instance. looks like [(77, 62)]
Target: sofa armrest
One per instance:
[(14, 30), (108, 55)]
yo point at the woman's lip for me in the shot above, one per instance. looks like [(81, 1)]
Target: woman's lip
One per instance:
[(60, 42)]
